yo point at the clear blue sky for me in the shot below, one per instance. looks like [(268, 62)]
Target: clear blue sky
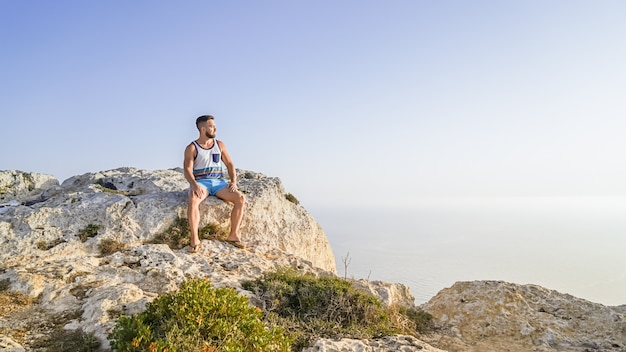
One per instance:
[(348, 102)]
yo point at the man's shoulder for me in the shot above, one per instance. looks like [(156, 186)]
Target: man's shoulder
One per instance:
[(190, 147)]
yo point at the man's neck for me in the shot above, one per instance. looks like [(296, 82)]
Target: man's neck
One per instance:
[(205, 141)]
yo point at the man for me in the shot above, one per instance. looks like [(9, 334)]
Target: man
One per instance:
[(203, 169)]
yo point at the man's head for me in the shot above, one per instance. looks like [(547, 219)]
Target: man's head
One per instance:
[(206, 125)]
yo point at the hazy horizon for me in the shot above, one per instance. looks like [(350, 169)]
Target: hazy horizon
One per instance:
[(566, 244)]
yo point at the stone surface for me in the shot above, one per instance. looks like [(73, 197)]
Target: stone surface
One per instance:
[(43, 257), (499, 316), (8, 345), (143, 204), (389, 293), (390, 343), (24, 186)]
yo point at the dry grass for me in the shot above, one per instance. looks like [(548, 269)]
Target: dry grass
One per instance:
[(109, 246), (177, 235)]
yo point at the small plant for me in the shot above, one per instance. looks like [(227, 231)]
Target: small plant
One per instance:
[(177, 235), (423, 320), (112, 191), (73, 340), (4, 285), (109, 246), (197, 318), (213, 231), (290, 197), (90, 231), (44, 245), (346, 262)]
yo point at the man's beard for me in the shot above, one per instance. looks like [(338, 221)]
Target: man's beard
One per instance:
[(209, 135)]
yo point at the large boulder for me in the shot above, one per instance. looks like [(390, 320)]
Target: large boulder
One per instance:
[(24, 186), (132, 206), (501, 316), (398, 343)]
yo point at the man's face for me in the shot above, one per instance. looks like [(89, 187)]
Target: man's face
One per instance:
[(210, 129)]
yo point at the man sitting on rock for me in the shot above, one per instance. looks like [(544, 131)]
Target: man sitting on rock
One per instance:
[(204, 171)]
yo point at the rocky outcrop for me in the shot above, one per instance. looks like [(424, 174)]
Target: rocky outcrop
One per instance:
[(132, 206), (50, 249), (43, 255), (499, 316), (388, 343), (24, 187)]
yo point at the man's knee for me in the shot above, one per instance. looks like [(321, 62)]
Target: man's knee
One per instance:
[(241, 199), (194, 201)]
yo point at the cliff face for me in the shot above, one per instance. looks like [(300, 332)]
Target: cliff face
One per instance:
[(75, 286), (144, 204), (499, 316)]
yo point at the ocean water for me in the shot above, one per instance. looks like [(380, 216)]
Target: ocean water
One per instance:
[(575, 245)]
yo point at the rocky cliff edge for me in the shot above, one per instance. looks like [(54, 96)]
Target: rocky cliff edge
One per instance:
[(51, 236)]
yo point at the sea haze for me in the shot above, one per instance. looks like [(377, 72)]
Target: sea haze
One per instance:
[(573, 245)]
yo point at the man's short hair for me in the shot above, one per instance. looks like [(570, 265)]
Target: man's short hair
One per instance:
[(204, 118)]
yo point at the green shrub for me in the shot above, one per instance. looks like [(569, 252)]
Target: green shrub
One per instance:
[(177, 235), (198, 318), (213, 231), (328, 306), (90, 231), (423, 321), (290, 197), (73, 340)]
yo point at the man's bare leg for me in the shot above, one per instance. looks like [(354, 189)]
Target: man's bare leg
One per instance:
[(193, 216), (236, 215)]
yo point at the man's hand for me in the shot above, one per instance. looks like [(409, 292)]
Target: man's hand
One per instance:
[(232, 186), (198, 191)]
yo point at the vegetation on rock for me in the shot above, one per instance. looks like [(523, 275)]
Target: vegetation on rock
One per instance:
[(70, 340), (290, 197), (309, 307), (177, 235), (198, 317), (109, 246), (90, 231)]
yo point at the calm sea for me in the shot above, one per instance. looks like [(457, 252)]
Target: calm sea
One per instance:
[(573, 245)]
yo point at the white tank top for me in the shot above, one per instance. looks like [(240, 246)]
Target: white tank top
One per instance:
[(208, 162)]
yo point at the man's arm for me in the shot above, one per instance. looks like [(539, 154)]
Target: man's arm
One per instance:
[(230, 166), (190, 154)]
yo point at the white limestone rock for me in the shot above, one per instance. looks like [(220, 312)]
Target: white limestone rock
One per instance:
[(398, 343), (44, 257), (500, 316), (25, 186), (389, 293), (132, 206), (102, 288), (8, 345)]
